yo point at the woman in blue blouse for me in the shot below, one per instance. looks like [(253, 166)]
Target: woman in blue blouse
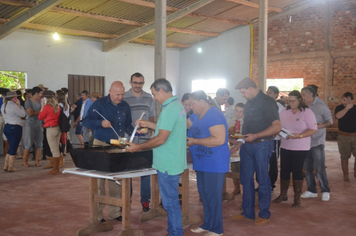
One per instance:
[(207, 141)]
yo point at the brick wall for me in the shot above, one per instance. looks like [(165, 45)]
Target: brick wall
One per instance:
[(308, 33), (304, 34), (343, 24)]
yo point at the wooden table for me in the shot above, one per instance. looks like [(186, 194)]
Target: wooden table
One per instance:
[(94, 199)]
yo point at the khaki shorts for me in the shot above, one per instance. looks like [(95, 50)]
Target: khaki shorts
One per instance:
[(347, 146)]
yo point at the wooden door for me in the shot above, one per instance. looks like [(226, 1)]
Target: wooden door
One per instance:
[(78, 83)]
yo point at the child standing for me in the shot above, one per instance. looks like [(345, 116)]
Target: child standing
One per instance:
[(235, 127)]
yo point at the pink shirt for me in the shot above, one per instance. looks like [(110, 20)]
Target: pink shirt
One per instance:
[(297, 123)]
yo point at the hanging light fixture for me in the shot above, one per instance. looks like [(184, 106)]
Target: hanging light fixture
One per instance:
[(56, 36), (200, 50)]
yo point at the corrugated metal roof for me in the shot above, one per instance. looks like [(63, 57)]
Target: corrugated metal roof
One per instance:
[(94, 18)]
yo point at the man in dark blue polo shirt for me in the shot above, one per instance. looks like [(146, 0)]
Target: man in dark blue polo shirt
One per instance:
[(118, 115), (261, 124)]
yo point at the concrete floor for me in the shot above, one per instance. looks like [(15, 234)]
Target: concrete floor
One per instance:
[(33, 203)]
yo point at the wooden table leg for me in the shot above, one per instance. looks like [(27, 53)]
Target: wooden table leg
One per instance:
[(226, 195), (94, 225), (187, 219), (126, 211), (155, 211)]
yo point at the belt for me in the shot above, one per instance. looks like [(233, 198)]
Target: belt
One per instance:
[(52, 126), (346, 133), (260, 140), (11, 124)]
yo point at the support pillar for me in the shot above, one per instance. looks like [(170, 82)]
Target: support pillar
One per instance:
[(262, 44)]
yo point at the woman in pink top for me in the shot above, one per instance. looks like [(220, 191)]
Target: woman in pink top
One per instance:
[(301, 122)]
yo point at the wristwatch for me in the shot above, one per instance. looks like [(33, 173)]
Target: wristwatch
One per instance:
[(300, 136)]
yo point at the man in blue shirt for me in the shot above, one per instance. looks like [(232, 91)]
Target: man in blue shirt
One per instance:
[(118, 115), (83, 113)]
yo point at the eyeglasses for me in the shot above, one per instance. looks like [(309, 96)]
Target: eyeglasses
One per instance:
[(138, 83)]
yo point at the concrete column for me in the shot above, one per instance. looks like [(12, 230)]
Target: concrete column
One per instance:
[(160, 44), (262, 44), (160, 38)]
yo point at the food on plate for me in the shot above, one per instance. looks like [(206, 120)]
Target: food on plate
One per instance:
[(142, 131), (237, 136), (115, 142)]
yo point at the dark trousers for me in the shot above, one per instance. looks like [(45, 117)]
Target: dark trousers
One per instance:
[(13, 134), (46, 150), (210, 188), (292, 162), (273, 163)]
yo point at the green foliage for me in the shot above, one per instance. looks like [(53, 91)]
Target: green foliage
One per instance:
[(12, 79), (286, 85)]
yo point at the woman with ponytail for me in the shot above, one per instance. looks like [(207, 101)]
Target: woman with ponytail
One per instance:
[(50, 112)]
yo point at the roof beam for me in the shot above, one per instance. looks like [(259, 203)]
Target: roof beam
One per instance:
[(152, 42), (114, 43), (193, 14), (26, 17), (189, 31), (90, 34), (61, 10), (97, 17), (18, 3), (254, 5)]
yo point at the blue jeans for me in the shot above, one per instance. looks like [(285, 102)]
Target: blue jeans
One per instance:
[(168, 188), (13, 134), (255, 158), (79, 128), (210, 187), (145, 188), (316, 158)]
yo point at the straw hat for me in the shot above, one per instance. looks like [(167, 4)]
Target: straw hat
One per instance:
[(11, 94), (41, 86)]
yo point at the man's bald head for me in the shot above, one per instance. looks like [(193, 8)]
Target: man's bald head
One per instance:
[(116, 92)]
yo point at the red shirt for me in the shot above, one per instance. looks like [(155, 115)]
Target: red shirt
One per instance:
[(51, 118)]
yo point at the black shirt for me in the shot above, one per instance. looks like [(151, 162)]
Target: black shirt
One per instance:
[(259, 114), (76, 112), (348, 122)]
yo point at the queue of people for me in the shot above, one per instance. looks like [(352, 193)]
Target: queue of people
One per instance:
[(43, 128), (197, 122)]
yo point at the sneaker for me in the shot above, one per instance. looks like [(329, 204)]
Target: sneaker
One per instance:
[(212, 234), (308, 194), (325, 197), (146, 206), (261, 221), (198, 230)]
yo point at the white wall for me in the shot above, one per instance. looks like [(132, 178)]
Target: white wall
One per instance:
[(49, 62), (227, 57)]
